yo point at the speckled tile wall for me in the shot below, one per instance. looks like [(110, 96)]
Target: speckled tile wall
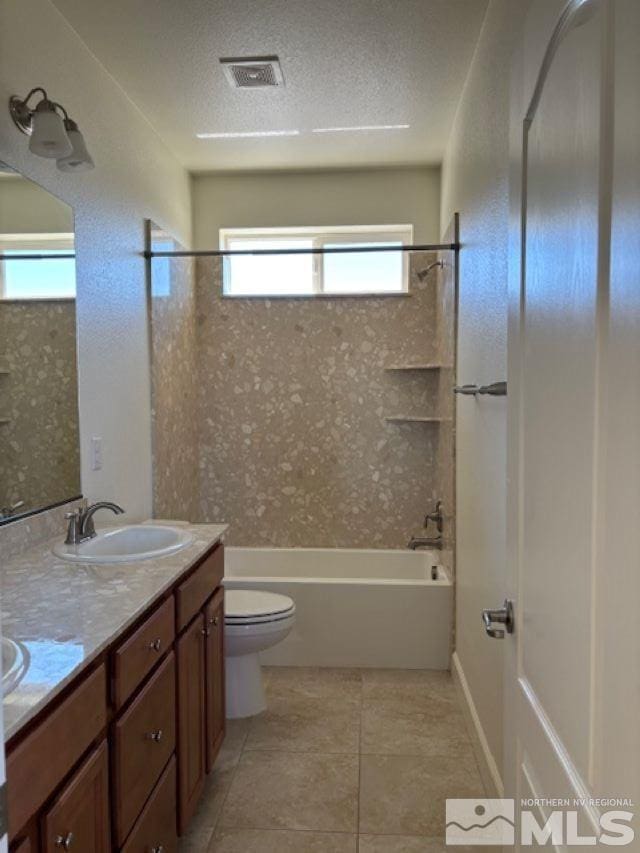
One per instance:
[(294, 448), (174, 384), (39, 456), (445, 458)]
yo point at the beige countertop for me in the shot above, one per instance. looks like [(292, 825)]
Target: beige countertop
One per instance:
[(65, 614)]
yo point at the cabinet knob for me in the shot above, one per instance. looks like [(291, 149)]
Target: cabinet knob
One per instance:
[(64, 841), (205, 631), (155, 645), (156, 736), (158, 849), (214, 620)]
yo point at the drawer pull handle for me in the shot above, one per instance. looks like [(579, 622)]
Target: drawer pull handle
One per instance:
[(155, 645), (156, 736), (214, 621), (64, 841)]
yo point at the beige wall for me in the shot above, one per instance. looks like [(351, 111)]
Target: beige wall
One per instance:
[(25, 208), (363, 197), (135, 177), (475, 183)]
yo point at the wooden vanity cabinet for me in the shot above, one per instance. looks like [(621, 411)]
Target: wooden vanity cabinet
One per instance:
[(156, 826), (214, 662), (78, 819), (119, 762), (144, 739), (191, 720), (201, 701)]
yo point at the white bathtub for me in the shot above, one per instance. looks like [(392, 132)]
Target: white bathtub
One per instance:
[(353, 607)]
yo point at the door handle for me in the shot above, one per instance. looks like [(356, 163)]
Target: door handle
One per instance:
[(503, 616)]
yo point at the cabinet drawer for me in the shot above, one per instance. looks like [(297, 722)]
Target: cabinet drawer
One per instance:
[(79, 817), (137, 656), (155, 829), (39, 763), (144, 739), (200, 586)]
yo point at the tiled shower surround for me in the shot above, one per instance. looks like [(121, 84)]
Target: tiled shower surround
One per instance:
[(39, 457), (289, 401)]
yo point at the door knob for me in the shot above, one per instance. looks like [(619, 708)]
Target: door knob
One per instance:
[(503, 616)]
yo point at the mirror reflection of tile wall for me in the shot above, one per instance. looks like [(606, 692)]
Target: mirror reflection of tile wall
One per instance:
[(39, 433)]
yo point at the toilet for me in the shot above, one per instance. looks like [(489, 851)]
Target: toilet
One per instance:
[(253, 621)]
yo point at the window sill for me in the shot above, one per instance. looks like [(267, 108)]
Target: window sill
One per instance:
[(396, 295)]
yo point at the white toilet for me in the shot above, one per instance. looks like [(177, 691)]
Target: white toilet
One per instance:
[(253, 621)]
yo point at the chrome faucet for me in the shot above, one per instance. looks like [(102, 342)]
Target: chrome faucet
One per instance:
[(81, 526), (436, 516), (430, 541)]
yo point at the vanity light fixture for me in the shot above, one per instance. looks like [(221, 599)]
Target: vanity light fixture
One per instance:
[(54, 135)]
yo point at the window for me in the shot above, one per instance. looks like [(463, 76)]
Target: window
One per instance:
[(331, 274), (49, 278)]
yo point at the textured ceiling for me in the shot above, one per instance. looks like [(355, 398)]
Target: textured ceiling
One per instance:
[(345, 63)]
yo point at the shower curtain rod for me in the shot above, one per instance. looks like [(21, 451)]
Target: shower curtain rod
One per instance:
[(217, 253), (43, 256)]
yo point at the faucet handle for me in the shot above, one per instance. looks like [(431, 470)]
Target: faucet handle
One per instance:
[(73, 530)]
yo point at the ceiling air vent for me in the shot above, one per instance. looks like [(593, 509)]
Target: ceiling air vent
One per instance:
[(253, 72)]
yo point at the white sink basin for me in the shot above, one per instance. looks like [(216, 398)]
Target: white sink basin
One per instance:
[(15, 662), (125, 544)]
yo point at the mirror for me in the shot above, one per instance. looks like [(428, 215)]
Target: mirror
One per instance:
[(39, 432)]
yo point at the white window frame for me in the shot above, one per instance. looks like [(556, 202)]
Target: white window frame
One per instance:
[(31, 242), (320, 236)]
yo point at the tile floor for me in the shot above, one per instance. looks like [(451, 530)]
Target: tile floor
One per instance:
[(343, 761)]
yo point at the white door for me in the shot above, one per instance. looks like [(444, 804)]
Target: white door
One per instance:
[(572, 701)]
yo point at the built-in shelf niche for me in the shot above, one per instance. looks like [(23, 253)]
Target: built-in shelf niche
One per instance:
[(423, 366), (415, 419)]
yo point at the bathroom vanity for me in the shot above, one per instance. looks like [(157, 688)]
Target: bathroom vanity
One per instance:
[(120, 713)]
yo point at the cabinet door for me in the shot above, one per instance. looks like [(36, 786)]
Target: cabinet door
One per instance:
[(79, 817), (191, 720), (214, 618)]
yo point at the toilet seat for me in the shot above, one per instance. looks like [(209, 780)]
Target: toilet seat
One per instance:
[(255, 607)]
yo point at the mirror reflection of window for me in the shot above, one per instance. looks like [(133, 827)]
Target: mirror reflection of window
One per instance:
[(37, 266)]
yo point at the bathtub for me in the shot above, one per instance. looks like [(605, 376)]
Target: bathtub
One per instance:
[(353, 607)]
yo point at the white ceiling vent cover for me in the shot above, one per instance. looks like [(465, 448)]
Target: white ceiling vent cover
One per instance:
[(254, 72)]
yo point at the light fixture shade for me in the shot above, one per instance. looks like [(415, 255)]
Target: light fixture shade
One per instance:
[(48, 135), (79, 160)]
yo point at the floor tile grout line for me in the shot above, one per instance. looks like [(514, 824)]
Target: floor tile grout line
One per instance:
[(288, 829), (233, 775)]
